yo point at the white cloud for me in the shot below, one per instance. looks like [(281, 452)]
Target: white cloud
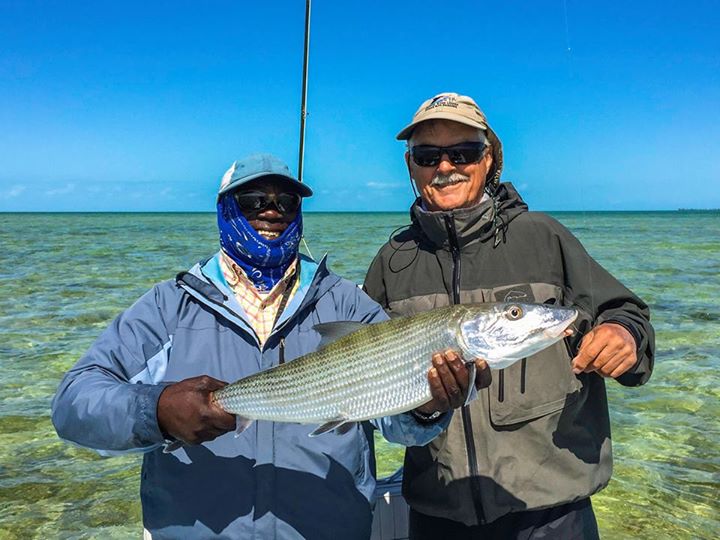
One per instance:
[(14, 191), (68, 188), (385, 185)]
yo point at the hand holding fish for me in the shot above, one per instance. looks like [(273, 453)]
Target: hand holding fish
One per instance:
[(186, 412), (449, 381), (609, 349)]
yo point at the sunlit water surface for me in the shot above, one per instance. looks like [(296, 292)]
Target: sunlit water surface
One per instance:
[(63, 277)]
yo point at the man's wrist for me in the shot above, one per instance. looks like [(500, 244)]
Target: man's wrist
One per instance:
[(426, 418)]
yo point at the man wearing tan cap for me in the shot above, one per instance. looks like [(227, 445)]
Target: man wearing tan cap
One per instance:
[(523, 459)]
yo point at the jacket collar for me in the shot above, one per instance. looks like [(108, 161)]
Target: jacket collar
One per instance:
[(487, 219), (470, 224), (206, 283)]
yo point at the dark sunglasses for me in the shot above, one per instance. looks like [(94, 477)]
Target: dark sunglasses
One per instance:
[(459, 154), (257, 201)]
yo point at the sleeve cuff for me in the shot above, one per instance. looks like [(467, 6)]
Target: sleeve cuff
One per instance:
[(148, 428), (405, 429), (424, 432), (426, 419)]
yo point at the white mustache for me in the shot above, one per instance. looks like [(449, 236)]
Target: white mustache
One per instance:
[(445, 179)]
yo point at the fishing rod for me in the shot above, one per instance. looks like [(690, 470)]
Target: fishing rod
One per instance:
[(303, 104)]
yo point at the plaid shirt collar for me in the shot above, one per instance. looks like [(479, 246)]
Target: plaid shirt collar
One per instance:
[(241, 285)]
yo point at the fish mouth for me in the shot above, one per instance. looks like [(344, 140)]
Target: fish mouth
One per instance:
[(561, 327)]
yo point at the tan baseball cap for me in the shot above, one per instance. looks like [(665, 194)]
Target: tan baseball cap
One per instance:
[(446, 106), (464, 110)]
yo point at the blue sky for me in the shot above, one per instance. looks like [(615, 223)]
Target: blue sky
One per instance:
[(130, 106)]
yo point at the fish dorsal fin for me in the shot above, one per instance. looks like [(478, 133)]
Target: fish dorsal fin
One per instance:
[(340, 424), (332, 331)]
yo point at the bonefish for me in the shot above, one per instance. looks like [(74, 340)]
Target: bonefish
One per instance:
[(363, 371)]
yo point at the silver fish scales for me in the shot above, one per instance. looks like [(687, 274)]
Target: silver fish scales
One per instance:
[(375, 370)]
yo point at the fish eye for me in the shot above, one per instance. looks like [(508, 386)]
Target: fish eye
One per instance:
[(514, 313)]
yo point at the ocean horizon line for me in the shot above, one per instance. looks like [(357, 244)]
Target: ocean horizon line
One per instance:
[(626, 211)]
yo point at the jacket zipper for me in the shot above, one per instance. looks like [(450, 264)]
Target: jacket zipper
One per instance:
[(465, 411)]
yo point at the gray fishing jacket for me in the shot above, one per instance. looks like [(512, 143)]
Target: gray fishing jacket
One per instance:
[(539, 436), (273, 481)]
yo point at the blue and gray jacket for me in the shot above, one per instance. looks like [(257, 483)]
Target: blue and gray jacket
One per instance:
[(273, 481)]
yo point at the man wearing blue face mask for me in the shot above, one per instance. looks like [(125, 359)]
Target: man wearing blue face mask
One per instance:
[(251, 306)]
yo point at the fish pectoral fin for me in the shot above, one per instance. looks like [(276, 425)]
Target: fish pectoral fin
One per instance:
[(344, 428), (332, 331), (241, 424), (340, 424)]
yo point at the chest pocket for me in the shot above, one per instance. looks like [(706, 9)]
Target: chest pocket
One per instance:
[(540, 384)]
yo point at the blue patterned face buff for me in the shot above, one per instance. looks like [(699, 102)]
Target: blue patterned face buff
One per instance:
[(264, 261)]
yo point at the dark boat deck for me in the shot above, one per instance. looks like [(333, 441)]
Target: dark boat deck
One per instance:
[(390, 517)]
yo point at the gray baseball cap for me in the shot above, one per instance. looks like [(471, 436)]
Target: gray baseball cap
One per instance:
[(258, 166)]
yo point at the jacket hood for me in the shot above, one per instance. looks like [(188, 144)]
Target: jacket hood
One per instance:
[(490, 218), (492, 180)]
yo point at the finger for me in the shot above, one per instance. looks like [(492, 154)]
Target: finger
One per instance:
[(582, 358), (628, 360), (223, 421), (587, 355), (192, 436), (483, 375), (609, 362), (189, 440), (611, 347), (207, 434), (481, 364), (452, 388), (602, 357), (624, 366), (212, 424), (459, 370), (437, 390)]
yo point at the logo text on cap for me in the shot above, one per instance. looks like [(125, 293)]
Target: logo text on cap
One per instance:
[(442, 101)]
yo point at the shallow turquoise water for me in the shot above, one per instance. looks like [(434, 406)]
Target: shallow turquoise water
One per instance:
[(63, 277)]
